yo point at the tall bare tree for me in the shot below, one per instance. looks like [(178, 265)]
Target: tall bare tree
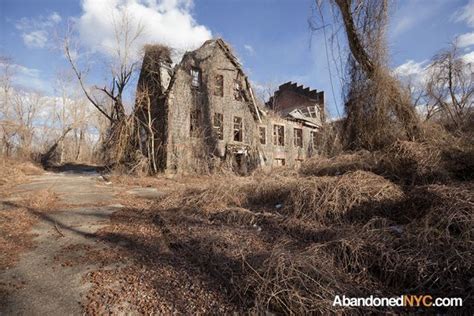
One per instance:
[(26, 107), (378, 110), (450, 85), (6, 125), (19, 111), (122, 64)]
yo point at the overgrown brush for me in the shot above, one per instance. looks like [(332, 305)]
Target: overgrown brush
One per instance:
[(340, 164), (12, 171), (413, 162), (332, 199), (214, 195), (355, 234), (438, 160), (324, 199), (431, 254), (292, 281)]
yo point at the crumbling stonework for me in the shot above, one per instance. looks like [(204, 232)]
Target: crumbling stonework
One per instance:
[(206, 116)]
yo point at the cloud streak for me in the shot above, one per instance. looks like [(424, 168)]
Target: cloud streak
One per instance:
[(466, 40), (249, 49), (465, 14), (27, 78), (34, 31)]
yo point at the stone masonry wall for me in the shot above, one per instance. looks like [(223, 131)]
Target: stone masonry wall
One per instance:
[(202, 151)]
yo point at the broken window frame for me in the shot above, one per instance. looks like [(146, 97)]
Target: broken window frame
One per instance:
[(278, 135), (237, 90), (194, 123), (218, 125), (238, 129), (196, 77), (298, 163), (314, 139), (262, 138), (219, 85), (298, 137), (279, 162)]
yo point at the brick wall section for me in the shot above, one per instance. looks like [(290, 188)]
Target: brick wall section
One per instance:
[(290, 96)]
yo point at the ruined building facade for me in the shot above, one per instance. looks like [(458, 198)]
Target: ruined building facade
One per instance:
[(204, 114)]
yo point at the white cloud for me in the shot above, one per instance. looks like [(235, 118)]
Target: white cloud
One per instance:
[(466, 40), (465, 14), (168, 22), (469, 58), (35, 30), (35, 39), (29, 78), (55, 18), (249, 49), (417, 72), (412, 71)]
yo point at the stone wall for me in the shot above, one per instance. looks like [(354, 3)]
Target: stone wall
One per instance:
[(185, 151), (201, 150), (290, 153)]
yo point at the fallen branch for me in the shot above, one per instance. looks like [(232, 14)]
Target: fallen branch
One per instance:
[(58, 230)]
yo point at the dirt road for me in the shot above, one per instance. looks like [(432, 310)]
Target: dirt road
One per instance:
[(48, 280)]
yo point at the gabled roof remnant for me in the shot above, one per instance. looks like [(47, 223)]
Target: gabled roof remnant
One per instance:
[(225, 47)]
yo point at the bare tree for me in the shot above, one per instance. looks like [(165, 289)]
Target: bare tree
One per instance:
[(6, 126), (378, 110), (450, 85), (265, 91), (19, 111), (122, 64), (26, 107), (70, 113)]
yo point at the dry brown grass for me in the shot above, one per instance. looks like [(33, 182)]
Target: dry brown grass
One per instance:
[(382, 257), (413, 162), (392, 222), (322, 166), (324, 199), (13, 171), (330, 199), (42, 200), (441, 158), (357, 233)]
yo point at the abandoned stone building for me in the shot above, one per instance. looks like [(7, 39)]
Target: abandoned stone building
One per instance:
[(205, 114)]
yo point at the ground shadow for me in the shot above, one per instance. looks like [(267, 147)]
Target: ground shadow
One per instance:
[(77, 168)]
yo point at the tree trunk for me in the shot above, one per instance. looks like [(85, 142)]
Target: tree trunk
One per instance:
[(355, 44)]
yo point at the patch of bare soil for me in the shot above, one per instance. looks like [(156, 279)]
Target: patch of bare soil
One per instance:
[(15, 219), (15, 224)]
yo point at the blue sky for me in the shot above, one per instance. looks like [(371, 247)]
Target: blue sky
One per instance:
[(271, 37)]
